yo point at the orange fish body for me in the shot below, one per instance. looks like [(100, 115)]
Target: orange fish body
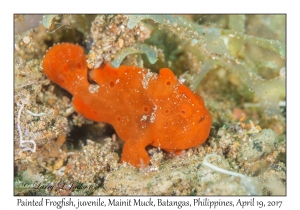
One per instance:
[(145, 108)]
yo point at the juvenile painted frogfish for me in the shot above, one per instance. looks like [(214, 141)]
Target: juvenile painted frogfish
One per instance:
[(144, 108)]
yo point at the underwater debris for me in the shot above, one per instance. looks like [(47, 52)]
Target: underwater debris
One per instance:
[(79, 22), (24, 23), (36, 124), (274, 179), (261, 144), (250, 183), (110, 35), (22, 141), (129, 181), (37, 128), (92, 163), (47, 20), (28, 73)]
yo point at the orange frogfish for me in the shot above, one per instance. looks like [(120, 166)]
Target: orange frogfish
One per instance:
[(145, 108)]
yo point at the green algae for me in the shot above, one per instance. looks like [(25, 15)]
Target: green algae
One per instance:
[(138, 48)]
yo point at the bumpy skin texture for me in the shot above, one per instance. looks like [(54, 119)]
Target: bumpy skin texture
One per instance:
[(143, 107)]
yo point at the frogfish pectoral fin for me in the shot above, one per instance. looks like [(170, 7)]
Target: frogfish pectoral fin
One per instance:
[(135, 154)]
